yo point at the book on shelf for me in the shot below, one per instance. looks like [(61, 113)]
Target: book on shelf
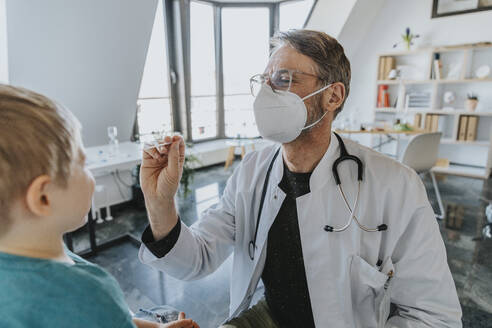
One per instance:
[(428, 122), (383, 96), (471, 128), (381, 68), (418, 100), (386, 64), (433, 123), (437, 64), (417, 120), (462, 128)]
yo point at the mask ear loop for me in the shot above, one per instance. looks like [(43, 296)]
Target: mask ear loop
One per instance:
[(310, 95), (318, 91)]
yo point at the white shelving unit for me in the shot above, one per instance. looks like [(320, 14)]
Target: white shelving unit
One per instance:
[(467, 158)]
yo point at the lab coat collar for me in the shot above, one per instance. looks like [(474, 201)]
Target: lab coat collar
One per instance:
[(321, 173)]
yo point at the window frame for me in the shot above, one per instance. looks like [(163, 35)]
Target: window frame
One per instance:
[(178, 38)]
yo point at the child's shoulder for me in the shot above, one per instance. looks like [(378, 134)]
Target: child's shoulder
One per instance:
[(83, 291)]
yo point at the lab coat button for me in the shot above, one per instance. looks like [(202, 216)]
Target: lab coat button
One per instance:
[(275, 196)]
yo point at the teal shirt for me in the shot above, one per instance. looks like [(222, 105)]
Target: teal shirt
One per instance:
[(45, 293)]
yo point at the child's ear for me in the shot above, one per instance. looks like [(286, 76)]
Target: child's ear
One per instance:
[(37, 197)]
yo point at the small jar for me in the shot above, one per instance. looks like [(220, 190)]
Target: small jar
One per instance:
[(471, 104)]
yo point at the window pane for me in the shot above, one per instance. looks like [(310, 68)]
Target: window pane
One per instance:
[(239, 116), (294, 14), (203, 92), (154, 80), (154, 105), (245, 34), (153, 116)]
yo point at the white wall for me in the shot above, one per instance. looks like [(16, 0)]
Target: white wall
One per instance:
[(330, 16), (87, 54), (4, 68)]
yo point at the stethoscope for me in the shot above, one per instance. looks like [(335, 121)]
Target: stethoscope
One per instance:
[(344, 155)]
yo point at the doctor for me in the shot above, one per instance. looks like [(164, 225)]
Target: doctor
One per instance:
[(335, 242)]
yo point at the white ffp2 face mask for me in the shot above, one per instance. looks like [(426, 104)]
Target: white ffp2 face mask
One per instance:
[(281, 115)]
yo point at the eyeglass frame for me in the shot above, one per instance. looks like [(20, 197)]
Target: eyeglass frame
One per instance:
[(268, 77)]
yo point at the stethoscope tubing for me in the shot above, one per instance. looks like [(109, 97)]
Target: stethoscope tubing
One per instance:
[(344, 155)]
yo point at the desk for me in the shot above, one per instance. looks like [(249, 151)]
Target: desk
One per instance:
[(380, 133), (232, 149), (103, 161)]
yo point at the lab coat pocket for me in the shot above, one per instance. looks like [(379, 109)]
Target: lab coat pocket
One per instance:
[(370, 292)]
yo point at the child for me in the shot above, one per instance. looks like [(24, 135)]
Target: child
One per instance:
[(46, 191)]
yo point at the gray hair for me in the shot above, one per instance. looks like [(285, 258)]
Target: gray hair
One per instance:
[(325, 51)]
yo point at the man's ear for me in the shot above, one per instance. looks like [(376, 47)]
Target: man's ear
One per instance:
[(334, 96), (38, 200)]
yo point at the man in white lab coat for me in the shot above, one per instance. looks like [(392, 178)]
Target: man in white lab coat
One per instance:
[(284, 217)]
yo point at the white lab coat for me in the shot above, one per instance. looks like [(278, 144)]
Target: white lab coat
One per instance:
[(345, 286)]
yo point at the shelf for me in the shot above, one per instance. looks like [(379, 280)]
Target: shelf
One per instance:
[(392, 110), (465, 112), (390, 82), (461, 48), (405, 82), (441, 81), (408, 52), (385, 110), (449, 141), (464, 152), (436, 49), (462, 170), (444, 81)]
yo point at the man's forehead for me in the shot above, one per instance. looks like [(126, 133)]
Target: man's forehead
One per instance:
[(287, 57)]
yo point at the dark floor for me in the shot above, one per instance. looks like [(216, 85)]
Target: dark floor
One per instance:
[(206, 300)]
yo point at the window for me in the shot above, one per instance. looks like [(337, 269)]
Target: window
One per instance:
[(203, 87), (244, 33), (154, 106), (245, 37), (293, 14)]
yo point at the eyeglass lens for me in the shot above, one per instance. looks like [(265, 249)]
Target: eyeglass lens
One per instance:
[(278, 80)]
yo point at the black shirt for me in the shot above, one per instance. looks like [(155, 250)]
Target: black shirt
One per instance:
[(284, 275)]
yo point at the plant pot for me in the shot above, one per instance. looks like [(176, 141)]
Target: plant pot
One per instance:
[(471, 104)]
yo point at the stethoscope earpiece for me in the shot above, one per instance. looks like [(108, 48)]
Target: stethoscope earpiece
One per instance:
[(344, 156), (382, 227), (251, 250), (328, 228)]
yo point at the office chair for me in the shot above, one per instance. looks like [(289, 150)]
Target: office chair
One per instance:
[(421, 155)]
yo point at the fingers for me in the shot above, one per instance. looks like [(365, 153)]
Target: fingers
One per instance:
[(181, 153), (185, 323), (151, 152), (157, 150), (176, 155)]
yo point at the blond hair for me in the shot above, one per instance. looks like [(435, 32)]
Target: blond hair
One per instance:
[(37, 137)]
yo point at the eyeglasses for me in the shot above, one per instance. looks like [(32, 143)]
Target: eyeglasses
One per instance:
[(279, 80)]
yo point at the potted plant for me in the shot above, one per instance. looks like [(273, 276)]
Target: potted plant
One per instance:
[(471, 102), (188, 172), (408, 38)]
